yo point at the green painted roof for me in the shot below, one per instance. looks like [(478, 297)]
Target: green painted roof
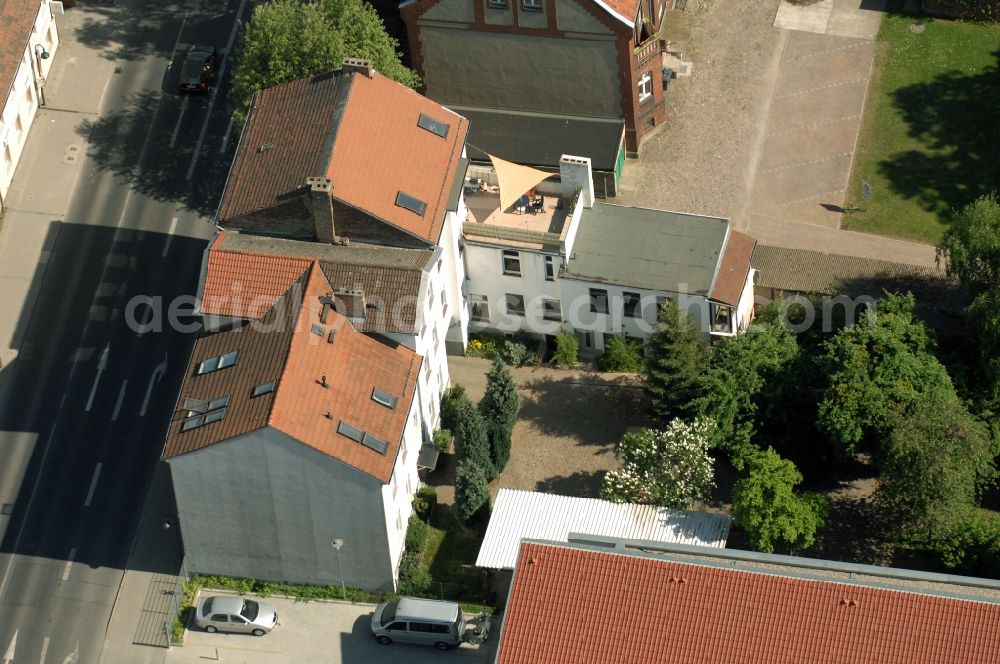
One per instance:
[(649, 249)]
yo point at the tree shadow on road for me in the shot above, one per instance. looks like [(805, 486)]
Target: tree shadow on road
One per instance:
[(115, 143), (957, 118)]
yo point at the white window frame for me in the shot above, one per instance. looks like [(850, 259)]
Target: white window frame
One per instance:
[(532, 5), (512, 255), (479, 300), (645, 87)]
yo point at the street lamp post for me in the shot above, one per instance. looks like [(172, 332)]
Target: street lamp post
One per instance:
[(36, 66), (337, 543)]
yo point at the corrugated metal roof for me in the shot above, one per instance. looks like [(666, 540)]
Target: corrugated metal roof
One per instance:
[(529, 514)]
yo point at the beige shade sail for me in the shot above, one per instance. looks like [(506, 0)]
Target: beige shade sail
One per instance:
[(515, 180)]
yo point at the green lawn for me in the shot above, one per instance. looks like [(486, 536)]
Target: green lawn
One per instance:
[(451, 555), (930, 140)]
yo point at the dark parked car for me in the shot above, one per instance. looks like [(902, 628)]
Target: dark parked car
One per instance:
[(198, 69)]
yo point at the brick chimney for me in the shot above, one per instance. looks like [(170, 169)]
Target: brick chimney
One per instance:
[(358, 66), (321, 207), (576, 173)]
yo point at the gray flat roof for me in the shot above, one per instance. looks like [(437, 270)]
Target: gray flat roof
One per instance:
[(648, 249), (540, 139)]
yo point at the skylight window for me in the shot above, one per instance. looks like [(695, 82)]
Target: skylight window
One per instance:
[(345, 429), (203, 412), (210, 364), (374, 443), (433, 126), (384, 398), (411, 203), (229, 359), (263, 388)]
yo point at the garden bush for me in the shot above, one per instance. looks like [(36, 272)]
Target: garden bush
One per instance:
[(622, 355), (424, 501), (416, 534), (442, 439), (450, 399), (567, 349), (515, 354)]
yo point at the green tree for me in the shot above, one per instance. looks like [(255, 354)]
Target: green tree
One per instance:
[(678, 354), (766, 506), (934, 464), (878, 370), (971, 251), (285, 40), (669, 467), (500, 401), (621, 354), (733, 382), (567, 349), (499, 407), (471, 438), (472, 491)]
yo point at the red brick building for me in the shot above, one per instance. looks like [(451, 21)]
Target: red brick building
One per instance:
[(589, 58)]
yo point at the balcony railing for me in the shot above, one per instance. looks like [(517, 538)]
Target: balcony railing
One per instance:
[(649, 50)]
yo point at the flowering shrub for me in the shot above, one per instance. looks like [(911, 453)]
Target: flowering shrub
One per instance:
[(669, 467)]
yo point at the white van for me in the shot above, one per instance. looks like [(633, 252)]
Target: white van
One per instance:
[(424, 621)]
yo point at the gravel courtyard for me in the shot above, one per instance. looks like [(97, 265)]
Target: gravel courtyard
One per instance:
[(570, 421), (700, 160)]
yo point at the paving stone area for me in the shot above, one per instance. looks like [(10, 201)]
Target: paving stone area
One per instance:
[(812, 130)]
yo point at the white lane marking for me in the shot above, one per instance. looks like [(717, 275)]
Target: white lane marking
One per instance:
[(45, 650), (170, 236), (102, 364), (69, 564), (9, 656), (177, 42), (158, 372), (225, 138), (211, 102), (180, 117), (74, 656), (118, 404), (93, 484)]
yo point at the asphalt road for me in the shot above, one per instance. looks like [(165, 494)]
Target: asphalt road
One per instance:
[(93, 392)]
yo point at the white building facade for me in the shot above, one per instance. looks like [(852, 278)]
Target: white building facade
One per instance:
[(602, 270), (35, 26)]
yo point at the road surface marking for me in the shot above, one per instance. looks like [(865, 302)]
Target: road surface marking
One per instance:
[(180, 32), (211, 101), (102, 364), (74, 656), (45, 649), (180, 117), (93, 485), (121, 398), (170, 236), (158, 372), (9, 656), (69, 564), (225, 138)]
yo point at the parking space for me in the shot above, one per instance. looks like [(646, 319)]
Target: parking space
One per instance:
[(329, 632)]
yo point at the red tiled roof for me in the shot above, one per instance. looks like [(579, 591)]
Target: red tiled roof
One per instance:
[(733, 268), (287, 349), (380, 151), (359, 132), (295, 120), (16, 19), (575, 606), (246, 274), (626, 9)]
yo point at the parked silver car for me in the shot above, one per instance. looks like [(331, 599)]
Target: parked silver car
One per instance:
[(235, 614), (425, 621)]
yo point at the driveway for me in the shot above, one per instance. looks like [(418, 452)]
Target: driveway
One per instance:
[(328, 632)]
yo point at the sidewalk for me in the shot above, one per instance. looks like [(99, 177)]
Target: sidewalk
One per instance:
[(46, 177)]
